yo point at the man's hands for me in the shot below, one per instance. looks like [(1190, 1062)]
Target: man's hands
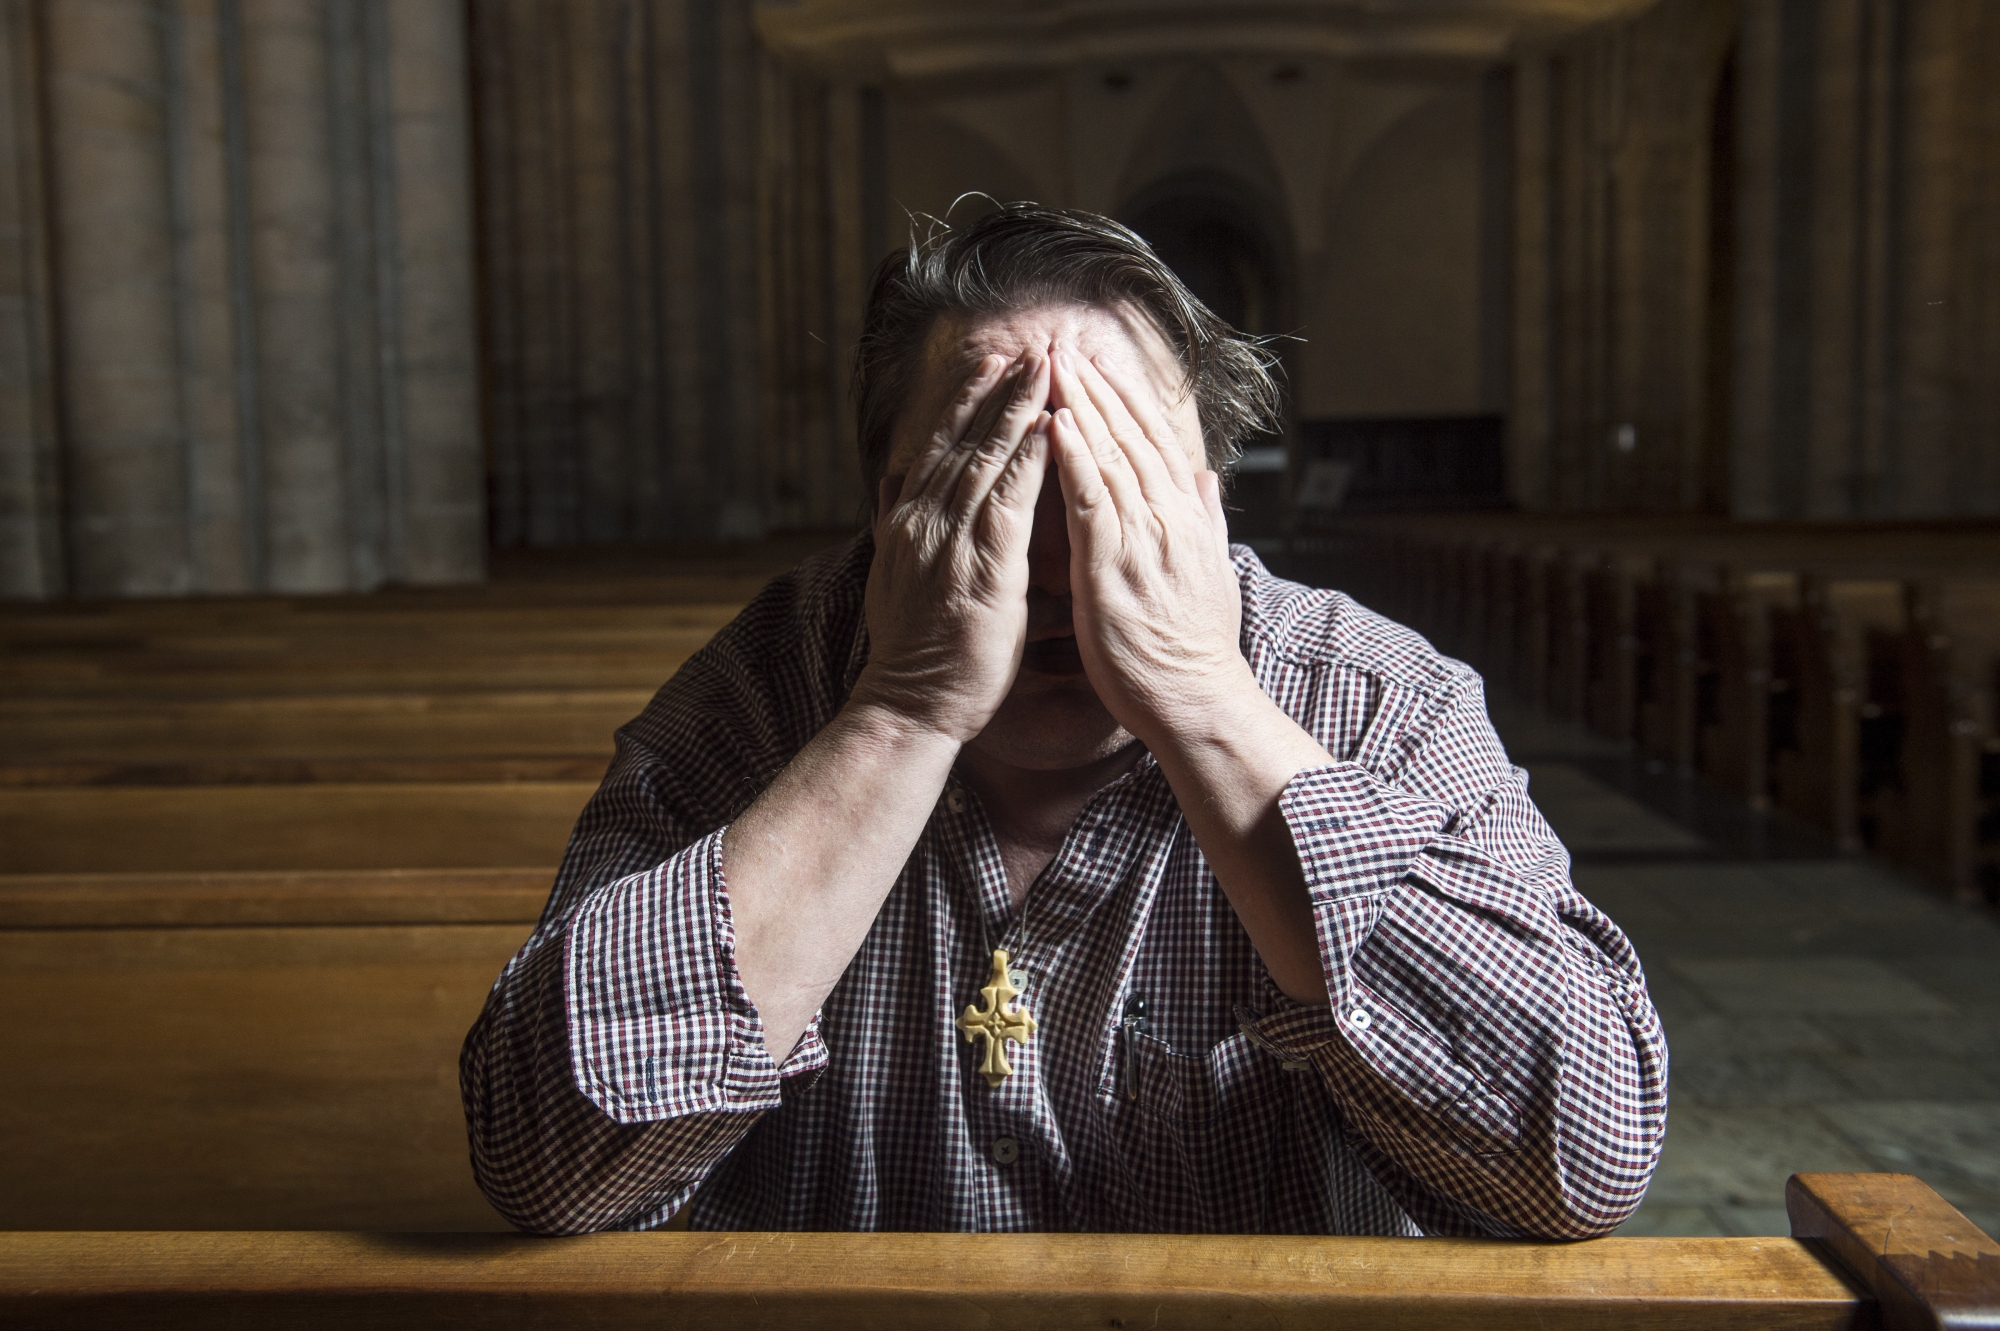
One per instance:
[(1156, 603), (948, 594)]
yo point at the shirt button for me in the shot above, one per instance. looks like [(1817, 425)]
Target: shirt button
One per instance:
[(955, 802), (1006, 1150), (1359, 1019), (1019, 979)]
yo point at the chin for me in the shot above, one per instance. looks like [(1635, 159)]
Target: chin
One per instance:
[(1050, 723)]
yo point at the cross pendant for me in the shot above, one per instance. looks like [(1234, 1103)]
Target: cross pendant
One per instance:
[(999, 1023)]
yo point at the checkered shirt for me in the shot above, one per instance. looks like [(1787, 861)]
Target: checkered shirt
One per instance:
[(1490, 1062)]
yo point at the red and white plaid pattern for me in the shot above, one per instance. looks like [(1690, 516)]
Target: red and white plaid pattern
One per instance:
[(1490, 1064)]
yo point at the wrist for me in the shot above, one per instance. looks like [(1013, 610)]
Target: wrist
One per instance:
[(887, 717), (1223, 702), (1235, 734)]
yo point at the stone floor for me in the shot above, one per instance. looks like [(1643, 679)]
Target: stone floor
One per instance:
[(1822, 1013)]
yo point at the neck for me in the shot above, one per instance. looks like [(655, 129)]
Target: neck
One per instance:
[(1031, 809)]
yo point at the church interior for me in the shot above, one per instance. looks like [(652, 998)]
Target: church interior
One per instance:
[(394, 393)]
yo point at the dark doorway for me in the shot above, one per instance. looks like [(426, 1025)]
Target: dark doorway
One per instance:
[(1218, 241)]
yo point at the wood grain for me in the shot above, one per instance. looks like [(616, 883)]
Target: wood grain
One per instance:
[(131, 829), (1927, 1265), (478, 723), (248, 1077), (380, 896), (806, 1281)]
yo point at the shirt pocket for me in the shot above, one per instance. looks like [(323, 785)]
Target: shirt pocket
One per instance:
[(1197, 1133), (1422, 1067)]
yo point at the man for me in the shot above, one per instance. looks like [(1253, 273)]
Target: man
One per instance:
[(1039, 861)]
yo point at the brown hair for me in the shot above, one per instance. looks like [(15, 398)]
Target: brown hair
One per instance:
[(1021, 255)]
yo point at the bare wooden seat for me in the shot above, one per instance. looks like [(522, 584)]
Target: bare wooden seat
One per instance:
[(1869, 1250), (390, 825)]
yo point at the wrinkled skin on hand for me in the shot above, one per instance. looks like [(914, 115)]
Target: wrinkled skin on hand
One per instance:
[(947, 593), (1157, 606)]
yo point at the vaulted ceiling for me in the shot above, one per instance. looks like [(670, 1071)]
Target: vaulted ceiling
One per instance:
[(918, 40)]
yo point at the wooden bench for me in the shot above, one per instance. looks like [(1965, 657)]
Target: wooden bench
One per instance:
[(1780, 660), (1868, 1250), (389, 825), (76, 740), (235, 1051), (1934, 703)]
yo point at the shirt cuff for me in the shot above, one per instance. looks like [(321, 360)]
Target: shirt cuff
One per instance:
[(660, 1026), (1357, 838)]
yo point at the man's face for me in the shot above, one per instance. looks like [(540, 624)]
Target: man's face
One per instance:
[(1051, 718)]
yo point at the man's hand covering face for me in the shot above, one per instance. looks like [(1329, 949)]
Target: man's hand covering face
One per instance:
[(948, 593)]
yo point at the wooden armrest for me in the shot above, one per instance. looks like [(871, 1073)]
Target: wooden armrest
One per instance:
[(1926, 1264)]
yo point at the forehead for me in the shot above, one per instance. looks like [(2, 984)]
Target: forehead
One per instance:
[(1120, 337)]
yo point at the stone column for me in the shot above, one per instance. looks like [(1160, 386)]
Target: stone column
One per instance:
[(295, 266), (1754, 389), (125, 465), (32, 558), (1932, 476), (1833, 486), (205, 156), (437, 496), (1528, 414)]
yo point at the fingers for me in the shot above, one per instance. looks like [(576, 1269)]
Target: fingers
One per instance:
[(1113, 465), (1088, 509), (1019, 483), (1143, 407), (958, 418), (995, 442)]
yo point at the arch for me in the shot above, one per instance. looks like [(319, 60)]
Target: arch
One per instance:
[(1229, 244)]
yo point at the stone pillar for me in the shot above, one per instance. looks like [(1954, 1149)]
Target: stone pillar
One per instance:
[(295, 266), (223, 540), (436, 493), (1833, 483), (1933, 477), (1528, 415), (32, 557), (1755, 401), (125, 463)]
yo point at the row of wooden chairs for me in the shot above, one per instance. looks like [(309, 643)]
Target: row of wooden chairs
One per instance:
[(1844, 675)]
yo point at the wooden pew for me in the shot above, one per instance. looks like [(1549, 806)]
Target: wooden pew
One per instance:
[(557, 735), (1778, 659), (246, 1050), (304, 825), (1819, 678), (1733, 679), (1868, 1250), (1937, 703)]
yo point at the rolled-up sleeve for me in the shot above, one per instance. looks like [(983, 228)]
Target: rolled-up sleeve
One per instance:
[(1489, 1037), (618, 1059)]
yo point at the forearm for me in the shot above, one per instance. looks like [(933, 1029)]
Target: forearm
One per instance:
[(1229, 762), (1493, 1039), (809, 864)]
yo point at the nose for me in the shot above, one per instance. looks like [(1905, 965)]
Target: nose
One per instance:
[(1048, 546)]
